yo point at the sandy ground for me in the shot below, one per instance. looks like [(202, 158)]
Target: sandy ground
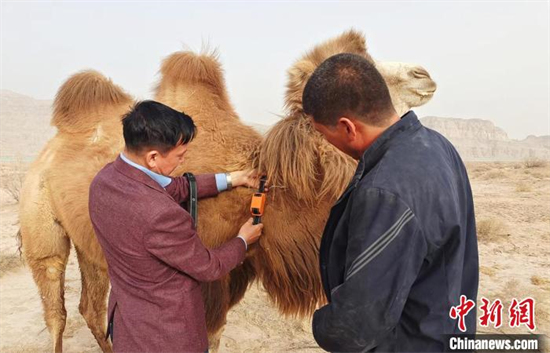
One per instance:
[(513, 213)]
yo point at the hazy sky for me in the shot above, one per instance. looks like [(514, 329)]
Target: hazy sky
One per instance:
[(490, 60)]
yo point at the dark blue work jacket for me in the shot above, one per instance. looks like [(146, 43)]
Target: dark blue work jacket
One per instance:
[(399, 248)]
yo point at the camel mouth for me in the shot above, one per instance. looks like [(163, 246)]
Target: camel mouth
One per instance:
[(427, 93)]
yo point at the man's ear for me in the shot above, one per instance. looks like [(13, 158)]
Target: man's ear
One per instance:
[(349, 127), (151, 158)]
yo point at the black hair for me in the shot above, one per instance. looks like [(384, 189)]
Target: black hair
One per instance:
[(152, 124), (347, 84)]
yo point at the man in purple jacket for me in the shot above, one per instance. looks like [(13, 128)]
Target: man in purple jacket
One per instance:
[(155, 258)]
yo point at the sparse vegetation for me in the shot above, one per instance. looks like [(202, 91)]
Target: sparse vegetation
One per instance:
[(539, 281), (532, 162), (489, 271), (523, 187), (493, 174), (12, 178), (9, 262), (490, 229)]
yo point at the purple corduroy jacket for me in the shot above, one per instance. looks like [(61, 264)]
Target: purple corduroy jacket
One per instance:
[(155, 259)]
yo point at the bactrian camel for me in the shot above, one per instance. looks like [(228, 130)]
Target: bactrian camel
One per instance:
[(87, 113)]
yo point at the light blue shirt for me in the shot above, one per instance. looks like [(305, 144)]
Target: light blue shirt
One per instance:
[(164, 181)]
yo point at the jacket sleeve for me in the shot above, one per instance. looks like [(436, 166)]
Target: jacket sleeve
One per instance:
[(384, 254), (173, 240), (179, 187)]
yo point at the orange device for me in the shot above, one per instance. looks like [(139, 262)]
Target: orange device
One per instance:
[(258, 203)]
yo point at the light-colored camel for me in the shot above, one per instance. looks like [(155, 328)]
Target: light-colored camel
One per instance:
[(87, 113)]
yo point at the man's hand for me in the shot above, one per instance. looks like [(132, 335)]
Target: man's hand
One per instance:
[(251, 233), (249, 178)]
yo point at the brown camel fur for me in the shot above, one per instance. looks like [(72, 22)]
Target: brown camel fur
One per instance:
[(87, 113)]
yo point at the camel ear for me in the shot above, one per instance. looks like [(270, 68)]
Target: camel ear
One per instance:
[(80, 98), (352, 41), (299, 73)]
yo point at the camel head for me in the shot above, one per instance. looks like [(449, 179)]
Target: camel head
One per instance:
[(296, 156), (410, 85)]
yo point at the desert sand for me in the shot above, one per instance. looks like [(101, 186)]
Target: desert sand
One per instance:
[(512, 209)]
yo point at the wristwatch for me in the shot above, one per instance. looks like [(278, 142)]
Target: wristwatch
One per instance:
[(228, 179)]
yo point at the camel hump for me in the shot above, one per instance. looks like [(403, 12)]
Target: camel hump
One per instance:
[(351, 41), (189, 67), (82, 97)]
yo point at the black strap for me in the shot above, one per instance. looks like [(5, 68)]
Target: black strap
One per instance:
[(110, 325), (110, 330), (193, 197)]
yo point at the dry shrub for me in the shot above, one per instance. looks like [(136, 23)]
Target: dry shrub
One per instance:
[(539, 175), (517, 166), (12, 184), (533, 162), (523, 187), (12, 178), (492, 174), (539, 281), (9, 263), (489, 271), (475, 169), (490, 229)]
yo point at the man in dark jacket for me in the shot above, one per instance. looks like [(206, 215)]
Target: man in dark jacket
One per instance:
[(400, 245), (156, 259)]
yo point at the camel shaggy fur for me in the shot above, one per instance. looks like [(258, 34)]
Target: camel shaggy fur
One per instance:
[(87, 113)]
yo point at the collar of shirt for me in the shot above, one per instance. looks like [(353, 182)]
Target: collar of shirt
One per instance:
[(163, 181), (408, 123)]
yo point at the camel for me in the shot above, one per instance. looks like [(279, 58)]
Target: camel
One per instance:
[(87, 112)]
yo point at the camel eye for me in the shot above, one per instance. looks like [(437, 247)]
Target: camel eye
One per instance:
[(420, 72)]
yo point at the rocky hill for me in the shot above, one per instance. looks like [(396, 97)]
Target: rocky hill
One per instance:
[(481, 140), (24, 126)]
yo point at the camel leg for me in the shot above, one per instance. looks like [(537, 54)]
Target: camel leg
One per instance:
[(93, 299), (46, 255)]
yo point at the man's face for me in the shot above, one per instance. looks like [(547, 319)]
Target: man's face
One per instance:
[(166, 164), (343, 136)]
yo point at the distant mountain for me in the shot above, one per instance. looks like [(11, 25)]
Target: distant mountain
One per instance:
[(481, 140), (24, 126), (537, 140), (25, 129)]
